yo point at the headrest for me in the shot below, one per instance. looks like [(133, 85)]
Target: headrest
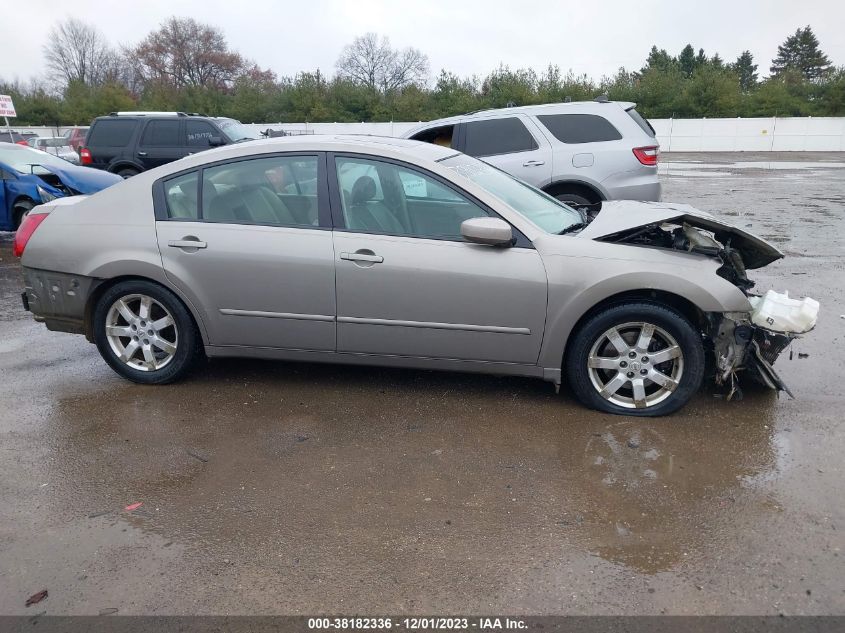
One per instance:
[(363, 190)]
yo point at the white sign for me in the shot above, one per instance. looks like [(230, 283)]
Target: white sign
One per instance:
[(7, 108)]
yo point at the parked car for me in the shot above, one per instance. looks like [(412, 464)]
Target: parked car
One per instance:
[(30, 177), (56, 146), (581, 153), (127, 143), (75, 137), (384, 251), (13, 137)]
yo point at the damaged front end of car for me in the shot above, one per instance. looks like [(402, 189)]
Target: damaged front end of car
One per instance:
[(742, 343)]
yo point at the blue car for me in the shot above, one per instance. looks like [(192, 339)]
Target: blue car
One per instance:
[(30, 177)]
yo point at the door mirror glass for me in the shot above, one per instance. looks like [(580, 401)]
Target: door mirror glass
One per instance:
[(215, 141), (491, 231)]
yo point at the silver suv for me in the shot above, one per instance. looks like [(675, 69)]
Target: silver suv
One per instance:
[(581, 153)]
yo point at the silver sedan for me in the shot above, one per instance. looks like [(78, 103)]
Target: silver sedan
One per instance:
[(383, 251)]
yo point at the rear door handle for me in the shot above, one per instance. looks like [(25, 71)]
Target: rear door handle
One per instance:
[(362, 257), (533, 163), (142, 153), (187, 244)]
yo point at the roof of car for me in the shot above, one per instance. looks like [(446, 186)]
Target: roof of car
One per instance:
[(542, 108), (328, 143)]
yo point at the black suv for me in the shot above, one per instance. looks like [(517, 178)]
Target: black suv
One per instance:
[(127, 143)]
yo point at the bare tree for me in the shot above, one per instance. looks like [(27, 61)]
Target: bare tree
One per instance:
[(77, 51), (372, 62), (187, 53)]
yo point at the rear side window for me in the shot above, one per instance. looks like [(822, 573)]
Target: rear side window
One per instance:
[(161, 134), (111, 133), (642, 122), (497, 136), (579, 128), (181, 196)]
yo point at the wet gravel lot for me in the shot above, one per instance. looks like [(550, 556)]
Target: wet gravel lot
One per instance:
[(289, 488)]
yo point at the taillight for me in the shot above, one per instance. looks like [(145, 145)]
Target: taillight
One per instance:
[(647, 155), (25, 230), (85, 156)]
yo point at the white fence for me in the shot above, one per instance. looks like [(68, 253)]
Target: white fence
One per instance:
[(811, 134)]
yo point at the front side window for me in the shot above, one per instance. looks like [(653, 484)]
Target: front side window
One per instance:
[(381, 197), (579, 128), (497, 136), (199, 133), (181, 195), (274, 191), (161, 134)]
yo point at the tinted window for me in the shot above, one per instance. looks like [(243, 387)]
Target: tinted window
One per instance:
[(642, 122), (181, 195), (386, 198), (161, 134), (439, 135), (111, 133), (198, 133), (580, 128), (276, 191), (497, 136)]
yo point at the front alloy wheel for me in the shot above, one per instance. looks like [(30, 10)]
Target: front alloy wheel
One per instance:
[(636, 358), (635, 365)]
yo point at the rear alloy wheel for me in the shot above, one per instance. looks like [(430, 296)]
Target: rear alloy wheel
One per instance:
[(636, 359), (145, 333)]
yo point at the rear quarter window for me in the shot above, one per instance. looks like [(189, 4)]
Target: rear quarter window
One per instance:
[(497, 136), (579, 128), (111, 133), (642, 122)]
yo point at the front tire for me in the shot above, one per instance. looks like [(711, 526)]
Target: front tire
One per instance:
[(145, 333), (637, 358)]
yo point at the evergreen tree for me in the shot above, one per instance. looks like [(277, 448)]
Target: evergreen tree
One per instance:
[(686, 60), (801, 52), (746, 70)]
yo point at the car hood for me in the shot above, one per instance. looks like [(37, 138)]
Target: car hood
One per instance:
[(623, 216), (83, 179)]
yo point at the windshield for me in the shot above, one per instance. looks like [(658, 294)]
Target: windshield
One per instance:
[(546, 212), (237, 131), (25, 160)]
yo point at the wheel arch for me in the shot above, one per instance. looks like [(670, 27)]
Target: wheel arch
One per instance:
[(98, 289), (589, 190)]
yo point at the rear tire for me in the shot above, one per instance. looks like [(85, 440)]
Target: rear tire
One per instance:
[(145, 333), (127, 172), (574, 200), (638, 358)]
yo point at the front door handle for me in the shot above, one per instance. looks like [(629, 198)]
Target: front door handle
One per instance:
[(187, 243), (533, 163), (142, 153), (363, 256)]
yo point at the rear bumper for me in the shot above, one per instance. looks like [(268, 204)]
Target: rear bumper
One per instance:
[(647, 191), (57, 299)]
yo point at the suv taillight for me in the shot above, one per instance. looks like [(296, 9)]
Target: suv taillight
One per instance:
[(31, 221), (85, 156), (647, 155)]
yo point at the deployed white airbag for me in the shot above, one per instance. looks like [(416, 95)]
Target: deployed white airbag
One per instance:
[(776, 311)]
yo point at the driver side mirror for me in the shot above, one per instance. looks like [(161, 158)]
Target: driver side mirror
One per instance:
[(215, 141), (490, 231)]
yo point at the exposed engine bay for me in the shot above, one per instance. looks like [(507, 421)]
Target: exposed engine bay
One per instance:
[(746, 343)]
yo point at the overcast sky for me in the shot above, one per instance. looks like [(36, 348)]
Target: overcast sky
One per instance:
[(467, 37)]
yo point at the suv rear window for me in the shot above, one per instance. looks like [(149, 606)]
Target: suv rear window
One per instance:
[(497, 136), (111, 133), (642, 122), (580, 128)]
